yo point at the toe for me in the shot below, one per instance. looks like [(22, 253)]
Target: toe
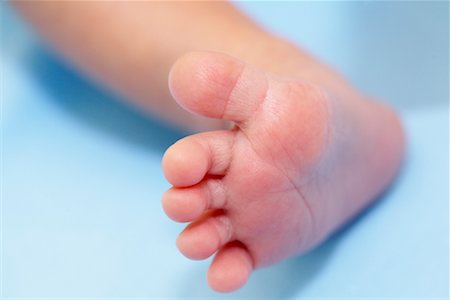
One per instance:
[(188, 204), (204, 237), (187, 161), (230, 268), (218, 86)]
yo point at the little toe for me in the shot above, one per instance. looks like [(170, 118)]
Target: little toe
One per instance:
[(188, 204), (204, 237), (230, 268), (187, 161)]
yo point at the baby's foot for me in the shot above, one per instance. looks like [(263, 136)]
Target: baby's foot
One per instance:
[(298, 164)]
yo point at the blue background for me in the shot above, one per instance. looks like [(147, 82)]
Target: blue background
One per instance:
[(81, 175)]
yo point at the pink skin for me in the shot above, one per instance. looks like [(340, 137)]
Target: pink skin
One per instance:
[(299, 163)]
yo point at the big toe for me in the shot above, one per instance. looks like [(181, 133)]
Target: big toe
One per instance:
[(217, 85)]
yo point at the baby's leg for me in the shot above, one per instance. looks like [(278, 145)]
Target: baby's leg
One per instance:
[(303, 158), (301, 162), (130, 46)]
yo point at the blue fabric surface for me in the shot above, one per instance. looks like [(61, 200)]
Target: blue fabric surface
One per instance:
[(81, 213)]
